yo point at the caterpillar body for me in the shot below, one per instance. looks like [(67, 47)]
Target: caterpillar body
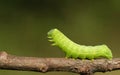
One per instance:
[(74, 50)]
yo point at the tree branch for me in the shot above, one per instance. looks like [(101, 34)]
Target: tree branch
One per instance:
[(83, 67)]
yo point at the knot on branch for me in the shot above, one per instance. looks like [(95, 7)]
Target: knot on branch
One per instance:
[(3, 56), (83, 66), (43, 67)]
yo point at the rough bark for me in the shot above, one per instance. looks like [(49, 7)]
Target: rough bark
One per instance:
[(83, 67)]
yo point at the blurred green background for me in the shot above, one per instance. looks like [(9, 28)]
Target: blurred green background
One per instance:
[(24, 25)]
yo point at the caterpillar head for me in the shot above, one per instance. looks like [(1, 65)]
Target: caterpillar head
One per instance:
[(51, 34)]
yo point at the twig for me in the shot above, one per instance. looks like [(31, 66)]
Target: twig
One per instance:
[(83, 67)]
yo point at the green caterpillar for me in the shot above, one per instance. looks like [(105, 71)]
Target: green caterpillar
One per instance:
[(74, 50)]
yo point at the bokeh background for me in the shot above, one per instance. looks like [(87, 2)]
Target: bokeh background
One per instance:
[(24, 25)]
